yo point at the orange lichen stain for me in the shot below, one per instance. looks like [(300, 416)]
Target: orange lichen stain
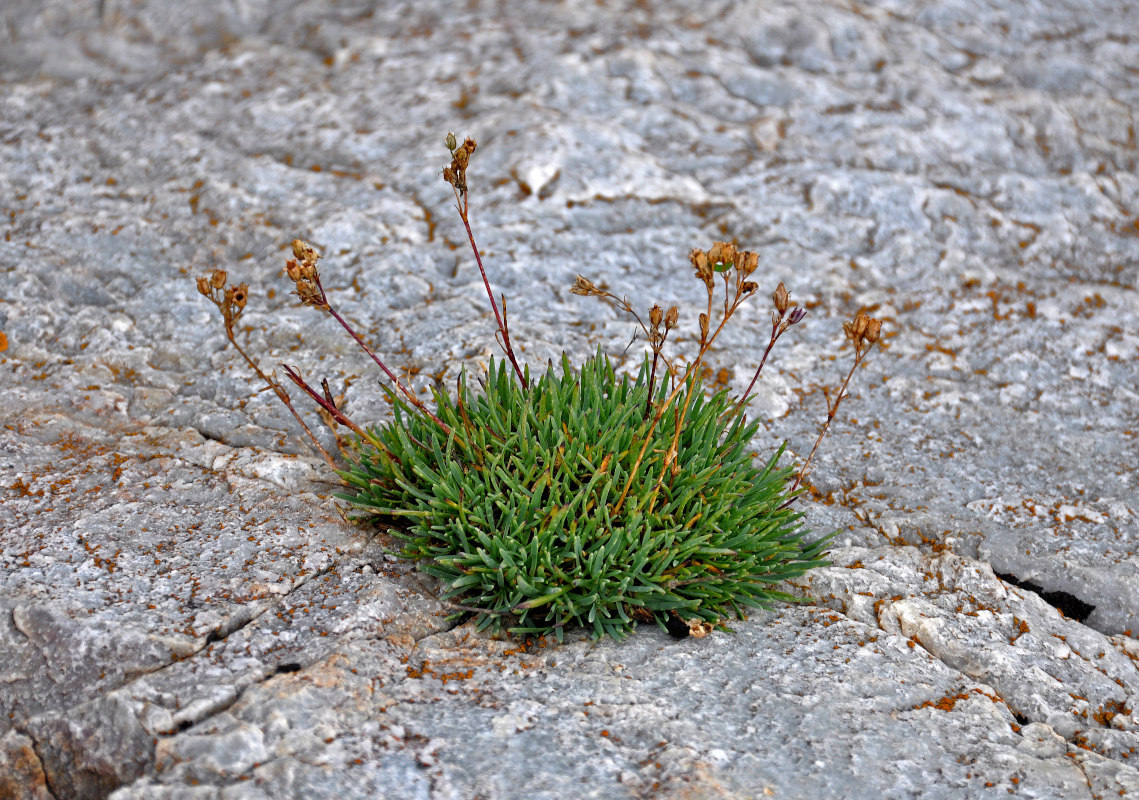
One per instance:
[(1091, 304), (1021, 628), (1108, 712), (24, 490), (3, 342), (945, 703)]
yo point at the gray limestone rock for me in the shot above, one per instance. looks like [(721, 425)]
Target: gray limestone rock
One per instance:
[(185, 612)]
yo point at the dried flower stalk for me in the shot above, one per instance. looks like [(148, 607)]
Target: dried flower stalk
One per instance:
[(230, 301), (456, 176)]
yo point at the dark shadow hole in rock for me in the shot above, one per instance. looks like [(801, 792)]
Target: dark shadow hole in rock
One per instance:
[(677, 628), (1069, 605), (214, 636), (1020, 718), (288, 666)]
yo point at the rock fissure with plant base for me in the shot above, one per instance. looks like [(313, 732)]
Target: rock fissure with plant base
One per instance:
[(185, 612)]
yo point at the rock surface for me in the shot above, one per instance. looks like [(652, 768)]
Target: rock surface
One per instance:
[(185, 613)]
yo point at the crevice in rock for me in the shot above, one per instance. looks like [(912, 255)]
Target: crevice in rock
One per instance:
[(1067, 604), (51, 790), (245, 615), (16, 624)]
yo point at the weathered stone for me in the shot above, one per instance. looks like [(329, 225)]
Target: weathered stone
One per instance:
[(21, 772), (180, 599), (93, 748)]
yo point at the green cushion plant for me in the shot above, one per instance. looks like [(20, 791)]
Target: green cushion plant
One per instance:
[(518, 509), (583, 498)]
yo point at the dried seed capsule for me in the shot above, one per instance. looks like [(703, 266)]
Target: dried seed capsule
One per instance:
[(873, 330), (780, 298), (750, 263), (583, 286)]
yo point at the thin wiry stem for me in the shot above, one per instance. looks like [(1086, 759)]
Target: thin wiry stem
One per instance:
[(832, 411), (415, 401), (505, 343)]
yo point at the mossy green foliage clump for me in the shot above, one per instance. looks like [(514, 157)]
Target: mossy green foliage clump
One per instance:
[(519, 503)]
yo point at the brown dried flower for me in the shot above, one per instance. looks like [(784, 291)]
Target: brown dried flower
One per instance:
[(703, 263), (873, 330), (748, 263), (698, 628), (863, 331), (305, 276), (230, 301), (584, 287), (237, 295), (782, 298), (856, 329), (456, 173)]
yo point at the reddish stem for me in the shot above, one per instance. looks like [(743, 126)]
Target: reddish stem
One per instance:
[(506, 348), (762, 361), (415, 401)]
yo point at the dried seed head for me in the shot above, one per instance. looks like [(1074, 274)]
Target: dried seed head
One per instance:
[(704, 271), (238, 295), (863, 331), (703, 327), (217, 278), (856, 330), (584, 287), (796, 316), (873, 330), (204, 286), (749, 263), (716, 253), (698, 628), (655, 315), (749, 287), (456, 173), (305, 251), (671, 317), (781, 299), (304, 274)]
